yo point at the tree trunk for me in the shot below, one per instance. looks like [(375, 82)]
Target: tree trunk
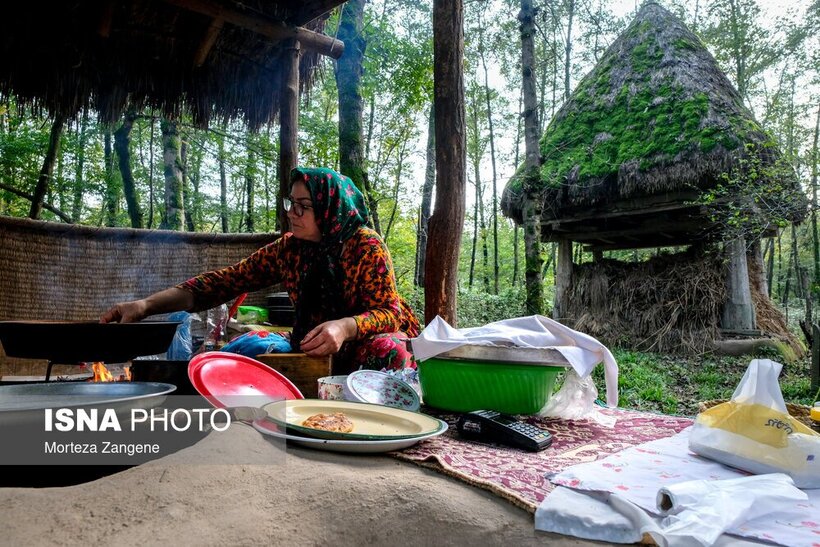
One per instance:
[(223, 186), (447, 221), (174, 216), (568, 49), (249, 189), (195, 212), (396, 187), (48, 167), (426, 199), (288, 126), (151, 173), (756, 254), (515, 256), (563, 281), (492, 159), (770, 268), (79, 187), (187, 198), (814, 170), (348, 73), (532, 205), (112, 190), (474, 243), (122, 146)]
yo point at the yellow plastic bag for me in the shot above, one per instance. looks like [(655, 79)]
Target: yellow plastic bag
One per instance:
[(754, 431)]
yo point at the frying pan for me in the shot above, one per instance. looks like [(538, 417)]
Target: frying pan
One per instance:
[(85, 341), (23, 404)]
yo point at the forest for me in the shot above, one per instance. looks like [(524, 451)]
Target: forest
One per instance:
[(115, 174)]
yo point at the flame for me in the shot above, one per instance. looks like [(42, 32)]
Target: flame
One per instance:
[(126, 376), (101, 373)]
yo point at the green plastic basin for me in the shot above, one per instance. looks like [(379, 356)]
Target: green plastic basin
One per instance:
[(463, 386)]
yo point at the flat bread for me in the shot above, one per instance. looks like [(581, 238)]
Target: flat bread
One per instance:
[(336, 422)]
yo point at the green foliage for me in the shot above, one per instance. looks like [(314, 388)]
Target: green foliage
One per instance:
[(758, 194)]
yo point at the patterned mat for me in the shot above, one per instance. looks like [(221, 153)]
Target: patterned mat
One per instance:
[(518, 476)]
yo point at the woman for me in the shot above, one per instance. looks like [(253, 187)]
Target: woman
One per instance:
[(337, 271)]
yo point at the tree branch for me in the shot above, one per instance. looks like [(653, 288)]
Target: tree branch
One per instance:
[(29, 197)]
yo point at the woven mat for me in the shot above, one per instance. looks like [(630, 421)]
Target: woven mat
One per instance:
[(518, 476)]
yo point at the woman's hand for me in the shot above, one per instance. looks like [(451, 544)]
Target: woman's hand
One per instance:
[(328, 337), (126, 312)]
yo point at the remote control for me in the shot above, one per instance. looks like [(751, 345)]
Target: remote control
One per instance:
[(491, 426)]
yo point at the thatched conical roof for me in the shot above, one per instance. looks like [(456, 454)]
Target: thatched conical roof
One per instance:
[(214, 58), (654, 122)]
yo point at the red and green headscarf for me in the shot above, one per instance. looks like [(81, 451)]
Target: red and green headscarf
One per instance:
[(338, 204), (340, 211)]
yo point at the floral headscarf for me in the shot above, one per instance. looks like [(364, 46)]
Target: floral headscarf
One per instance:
[(340, 210)]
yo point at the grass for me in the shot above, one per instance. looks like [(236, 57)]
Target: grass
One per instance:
[(675, 385)]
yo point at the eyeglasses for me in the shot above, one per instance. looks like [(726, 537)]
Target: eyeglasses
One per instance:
[(298, 208)]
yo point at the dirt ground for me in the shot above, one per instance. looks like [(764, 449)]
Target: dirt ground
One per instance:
[(287, 496)]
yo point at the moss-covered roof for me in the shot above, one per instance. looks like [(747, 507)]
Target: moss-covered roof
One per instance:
[(656, 115), (219, 59)]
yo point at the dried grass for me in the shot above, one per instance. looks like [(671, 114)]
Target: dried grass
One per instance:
[(668, 304)]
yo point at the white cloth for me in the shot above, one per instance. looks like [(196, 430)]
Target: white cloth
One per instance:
[(580, 350), (627, 483)]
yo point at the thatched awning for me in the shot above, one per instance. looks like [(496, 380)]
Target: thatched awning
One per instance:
[(645, 132), (215, 58)]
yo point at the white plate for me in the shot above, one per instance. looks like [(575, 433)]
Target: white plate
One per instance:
[(371, 422), (267, 427)]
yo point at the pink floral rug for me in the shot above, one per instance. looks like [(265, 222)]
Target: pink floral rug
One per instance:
[(518, 476)]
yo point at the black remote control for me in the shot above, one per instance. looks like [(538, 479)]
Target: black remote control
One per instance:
[(491, 426)]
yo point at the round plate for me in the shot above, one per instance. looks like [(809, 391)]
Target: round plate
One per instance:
[(370, 422), (380, 388), (230, 379), (267, 427)]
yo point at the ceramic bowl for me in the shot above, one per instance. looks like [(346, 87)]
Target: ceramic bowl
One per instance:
[(332, 387), (380, 388)]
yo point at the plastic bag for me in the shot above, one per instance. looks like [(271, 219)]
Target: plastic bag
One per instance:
[(698, 512), (576, 401), (181, 348), (754, 431)]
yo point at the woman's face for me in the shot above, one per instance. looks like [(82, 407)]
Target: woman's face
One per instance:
[(305, 226)]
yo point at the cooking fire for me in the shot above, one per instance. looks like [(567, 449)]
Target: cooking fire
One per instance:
[(102, 374)]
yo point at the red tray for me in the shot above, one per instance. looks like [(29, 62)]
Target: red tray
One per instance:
[(230, 379)]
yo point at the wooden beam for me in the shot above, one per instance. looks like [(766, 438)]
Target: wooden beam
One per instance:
[(639, 244), (275, 30), (208, 41), (615, 212)]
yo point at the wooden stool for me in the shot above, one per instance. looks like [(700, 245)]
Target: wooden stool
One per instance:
[(299, 368)]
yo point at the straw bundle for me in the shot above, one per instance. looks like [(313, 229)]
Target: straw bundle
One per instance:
[(670, 303)]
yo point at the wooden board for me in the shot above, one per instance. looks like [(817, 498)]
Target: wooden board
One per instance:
[(301, 369)]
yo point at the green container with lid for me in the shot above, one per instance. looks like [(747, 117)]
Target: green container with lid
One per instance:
[(469, 379)]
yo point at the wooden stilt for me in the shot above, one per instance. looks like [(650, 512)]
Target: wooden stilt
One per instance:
[(738, 311), (563, 280)]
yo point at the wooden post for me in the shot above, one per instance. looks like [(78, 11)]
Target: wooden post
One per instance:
[(563, 279), (447, 221), (738, 311), (288, 127), (815, 358)]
